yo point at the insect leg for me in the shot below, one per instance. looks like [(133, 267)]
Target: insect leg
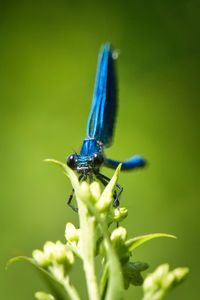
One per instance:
[(70, 200), (71, 197)]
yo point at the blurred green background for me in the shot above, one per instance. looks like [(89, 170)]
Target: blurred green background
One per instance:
[(48, 53)]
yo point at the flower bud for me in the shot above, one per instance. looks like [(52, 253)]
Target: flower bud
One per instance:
[(160, 272), (174, 277), (161, 280), (95, 190), (158, 279), (71, 233), (167, 280), (41, 259), (49, 249), (119, 214), (59, 252), (148, 284), (65, 263), (118, 236), (84, 191), (180, 274)]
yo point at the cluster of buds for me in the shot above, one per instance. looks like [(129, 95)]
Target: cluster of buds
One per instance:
[(92, 193), (96, 214), (56, 258), (162, 280), (102, 201)]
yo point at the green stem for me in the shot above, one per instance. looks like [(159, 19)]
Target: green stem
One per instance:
[(115, 283), (71, 291), (87, 227)]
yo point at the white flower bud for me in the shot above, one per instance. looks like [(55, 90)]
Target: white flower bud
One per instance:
[(160, 272), (148, 284), (41, 259), (49, 249), (59, 252), (84, 191), (118, 236), (180, 273), (95, 190), (71, 233), (167, 280)]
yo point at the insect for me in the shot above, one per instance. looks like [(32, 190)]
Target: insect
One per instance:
[(100, 128)]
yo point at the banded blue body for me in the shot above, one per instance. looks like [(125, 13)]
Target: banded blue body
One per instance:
[(100, 127)]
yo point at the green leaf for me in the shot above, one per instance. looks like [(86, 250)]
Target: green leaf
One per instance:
[(132, 273), (55, 286), (137, 241), (60, 291), (140, 266), (131, 244)]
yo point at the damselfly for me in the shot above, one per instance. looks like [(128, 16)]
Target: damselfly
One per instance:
[(100, 128)]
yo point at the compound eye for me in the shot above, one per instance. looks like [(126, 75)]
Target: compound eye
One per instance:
[(72, 161), (98, 159)]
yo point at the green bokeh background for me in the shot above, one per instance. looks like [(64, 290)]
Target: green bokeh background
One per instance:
[(48, 53)]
